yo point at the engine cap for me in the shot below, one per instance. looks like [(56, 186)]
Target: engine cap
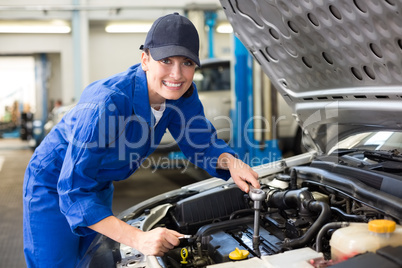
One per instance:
[(381, 226), (238, 254)]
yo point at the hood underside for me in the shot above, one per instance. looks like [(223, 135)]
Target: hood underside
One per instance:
[(337, 63)]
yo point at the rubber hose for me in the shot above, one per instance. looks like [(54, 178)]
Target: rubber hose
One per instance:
[(324, 230), (325, 213)]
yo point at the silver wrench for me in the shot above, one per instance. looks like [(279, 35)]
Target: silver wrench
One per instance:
[(257, 195)]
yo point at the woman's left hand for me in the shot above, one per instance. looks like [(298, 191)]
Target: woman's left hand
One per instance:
[(242, 174)]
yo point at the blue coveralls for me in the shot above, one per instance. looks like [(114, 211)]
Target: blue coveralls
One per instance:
[(104, 138)]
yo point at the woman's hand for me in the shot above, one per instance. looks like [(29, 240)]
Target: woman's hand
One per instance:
[(155, 242), (241, 173)]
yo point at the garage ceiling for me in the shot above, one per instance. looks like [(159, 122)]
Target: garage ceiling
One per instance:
[(101, 9)]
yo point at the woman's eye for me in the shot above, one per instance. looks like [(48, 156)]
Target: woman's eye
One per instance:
[(189, 63), (166, 61)]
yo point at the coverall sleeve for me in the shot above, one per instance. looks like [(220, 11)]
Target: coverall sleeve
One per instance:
[(84, 198), (197, 137)]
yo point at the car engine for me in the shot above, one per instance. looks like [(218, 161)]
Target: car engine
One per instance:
[(292, 215)]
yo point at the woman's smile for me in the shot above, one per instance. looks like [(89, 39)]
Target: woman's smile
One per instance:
[(172, 85)]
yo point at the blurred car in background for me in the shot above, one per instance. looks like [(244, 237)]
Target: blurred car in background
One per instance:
[(37, 130)]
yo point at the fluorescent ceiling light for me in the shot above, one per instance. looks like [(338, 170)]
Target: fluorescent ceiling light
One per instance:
[(55, 26), (128, 27), (224, 27)]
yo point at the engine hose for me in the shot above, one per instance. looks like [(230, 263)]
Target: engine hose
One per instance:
[(325, 214), (335, 202), (206, 230), (346, 216), (324, 230), (385, 203), (173, 262), (291, 199), (304, 201), (241, 212), (293, 179)]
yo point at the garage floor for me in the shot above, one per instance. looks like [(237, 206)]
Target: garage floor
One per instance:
[(14, 157)]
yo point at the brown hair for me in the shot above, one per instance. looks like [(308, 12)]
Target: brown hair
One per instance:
[(189, 91)]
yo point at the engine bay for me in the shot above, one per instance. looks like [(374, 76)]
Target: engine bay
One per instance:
[(300, 209), (290, 218)]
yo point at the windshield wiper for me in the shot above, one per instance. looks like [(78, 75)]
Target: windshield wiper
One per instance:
[(393, 155), (343, 151), (377, 155)]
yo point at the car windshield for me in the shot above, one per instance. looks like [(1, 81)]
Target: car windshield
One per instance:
[(386, 141), (213, 77)]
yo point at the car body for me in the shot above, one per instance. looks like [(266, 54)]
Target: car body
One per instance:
[(337, 64)]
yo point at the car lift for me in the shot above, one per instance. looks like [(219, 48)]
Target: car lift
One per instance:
[(253, 137)]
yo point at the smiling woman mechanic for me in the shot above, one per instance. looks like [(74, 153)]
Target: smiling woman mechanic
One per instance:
[(116, 124)]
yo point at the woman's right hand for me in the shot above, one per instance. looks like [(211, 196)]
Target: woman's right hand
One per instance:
[(157, 242)]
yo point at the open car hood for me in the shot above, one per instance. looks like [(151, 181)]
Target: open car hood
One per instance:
[(338, 64)]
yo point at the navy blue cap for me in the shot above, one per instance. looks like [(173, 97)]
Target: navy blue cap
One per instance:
[(173, 35)]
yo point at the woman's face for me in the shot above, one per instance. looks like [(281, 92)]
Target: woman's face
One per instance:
[(169, 78)]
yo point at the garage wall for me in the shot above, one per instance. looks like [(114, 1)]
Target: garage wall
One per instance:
[(112, 53), (55, 84), (28, 44)]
